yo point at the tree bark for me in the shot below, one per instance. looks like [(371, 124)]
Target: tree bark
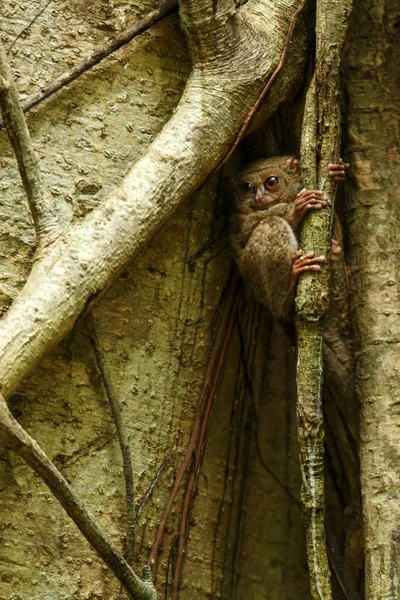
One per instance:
[(320, 146), (229, 70), (156, 323), (212, 93), (373, 94)]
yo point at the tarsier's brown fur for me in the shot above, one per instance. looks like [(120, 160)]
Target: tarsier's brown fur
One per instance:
[(269, 205)]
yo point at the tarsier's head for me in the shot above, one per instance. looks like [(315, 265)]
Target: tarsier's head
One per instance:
[(267, 182)]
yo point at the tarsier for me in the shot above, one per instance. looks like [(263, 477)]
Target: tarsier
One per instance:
[(270, 204)]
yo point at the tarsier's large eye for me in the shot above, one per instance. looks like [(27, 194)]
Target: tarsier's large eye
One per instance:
[(271, 182), (248, 187)]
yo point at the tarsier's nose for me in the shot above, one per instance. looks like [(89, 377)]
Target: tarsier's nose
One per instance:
[(261, 191), (263, 198)]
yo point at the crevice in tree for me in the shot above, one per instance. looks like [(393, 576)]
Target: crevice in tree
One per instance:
[(250, 391)]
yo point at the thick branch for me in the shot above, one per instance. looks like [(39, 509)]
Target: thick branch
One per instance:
[(43, 209), (208, 25), (373, 220), (82, 262), (27, 448), (268, 85)]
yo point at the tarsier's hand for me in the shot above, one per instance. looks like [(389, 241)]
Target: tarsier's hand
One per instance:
[(306, 200), (338, 171), (308, 262)]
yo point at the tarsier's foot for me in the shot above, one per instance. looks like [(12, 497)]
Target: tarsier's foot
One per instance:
[(338, 171), (307, 200), (308, 262), (335, 250)]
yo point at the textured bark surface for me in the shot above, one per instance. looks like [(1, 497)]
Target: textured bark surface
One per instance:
[(156, 324), (154, 328), (373, 95), (319, 147), (233, 54)]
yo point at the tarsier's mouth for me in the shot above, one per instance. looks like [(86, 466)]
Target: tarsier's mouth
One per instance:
[(263, 202)]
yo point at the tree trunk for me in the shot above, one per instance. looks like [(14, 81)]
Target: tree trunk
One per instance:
[(153, 331), (373, 93), (172, 316)]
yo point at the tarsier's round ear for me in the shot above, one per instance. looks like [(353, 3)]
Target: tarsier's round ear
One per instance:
[(293, 164), (293, 167)]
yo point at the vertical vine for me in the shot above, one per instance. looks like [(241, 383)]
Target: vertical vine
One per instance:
[(320, 146)]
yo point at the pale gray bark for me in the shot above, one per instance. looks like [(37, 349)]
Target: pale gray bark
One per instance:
[(43, 209), (233, 55), (21, 442)]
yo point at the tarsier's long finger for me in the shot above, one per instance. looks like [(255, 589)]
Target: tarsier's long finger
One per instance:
[(308, 261), (340, 163), (308, 268), (297, 255), (308, 193), (312, 206), (337, 175), (317, 205), (335, 248), (312, 199), (338, 170)]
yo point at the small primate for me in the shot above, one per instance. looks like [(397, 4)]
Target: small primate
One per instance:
[(269, 205)]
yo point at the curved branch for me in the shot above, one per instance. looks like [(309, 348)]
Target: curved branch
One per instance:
[(268, 85), (27, 448), (80, 264), (209, 26), (123, 440)]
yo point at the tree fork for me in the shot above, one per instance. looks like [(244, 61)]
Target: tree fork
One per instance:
[(321, 134)]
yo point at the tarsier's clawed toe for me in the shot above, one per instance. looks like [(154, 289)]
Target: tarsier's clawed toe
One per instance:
[(306, 262), (338, 170), (336, 250)]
